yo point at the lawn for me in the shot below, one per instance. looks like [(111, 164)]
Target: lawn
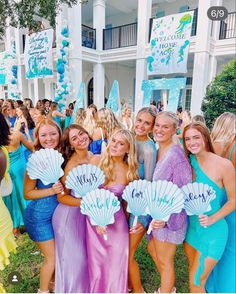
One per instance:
[(27, 261)]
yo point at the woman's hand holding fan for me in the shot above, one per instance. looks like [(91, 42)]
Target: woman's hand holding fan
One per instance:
[(197, 198), (84, 178), (135, 197), (45, 165), (100, 205), (163, 199)]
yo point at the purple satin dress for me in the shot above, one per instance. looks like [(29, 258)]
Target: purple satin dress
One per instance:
[(108, 260), (173, 167), (71, 274)]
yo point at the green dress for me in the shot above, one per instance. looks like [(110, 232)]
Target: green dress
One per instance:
[(15, 202), (209, 241)]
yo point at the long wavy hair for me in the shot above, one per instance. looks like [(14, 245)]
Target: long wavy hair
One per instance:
[(65, 147), (27, 116), (224, 129), (108, 121), (107, 163), (4, 131), (80, 116), (89, 122), (200, 127), (45, 122)]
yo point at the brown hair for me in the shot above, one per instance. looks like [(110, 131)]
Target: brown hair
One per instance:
[(200, 127), (45, 122), (65, 147)]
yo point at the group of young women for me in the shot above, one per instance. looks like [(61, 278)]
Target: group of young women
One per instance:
[(77, 257)]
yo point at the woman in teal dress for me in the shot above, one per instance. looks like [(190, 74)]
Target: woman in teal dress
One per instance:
[(222, 278), (207, 234), (55, 114), (15, 202)]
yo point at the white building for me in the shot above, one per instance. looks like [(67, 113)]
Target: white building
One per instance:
[(110, 41)]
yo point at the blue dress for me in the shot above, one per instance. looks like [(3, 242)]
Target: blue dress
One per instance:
[(96, 146), (209, 241), (147, 157), (38, 216), (222, 278), (25, 150), (57, 119), (15, 202), (12, 120)]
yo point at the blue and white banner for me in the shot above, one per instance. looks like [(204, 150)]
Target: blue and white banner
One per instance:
[(38, 54), (169, 44)]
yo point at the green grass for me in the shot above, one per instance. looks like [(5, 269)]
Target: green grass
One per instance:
[(27, 263)]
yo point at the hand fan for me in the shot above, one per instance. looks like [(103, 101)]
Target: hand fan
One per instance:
[(197, 198), (45, 165), (100, 205), (134, 195), (163, 199), (84, 178)]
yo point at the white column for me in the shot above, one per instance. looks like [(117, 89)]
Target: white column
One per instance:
[(201, 57), (36, 91), (212, 68), (99, 12), (98, 84), (216, 24), (21, 80), (75, 52), (144, 15)]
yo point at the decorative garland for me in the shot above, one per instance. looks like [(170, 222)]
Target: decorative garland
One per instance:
[(62, 66), (12, 70)]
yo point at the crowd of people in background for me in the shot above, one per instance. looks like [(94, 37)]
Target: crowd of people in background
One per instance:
[(154, 145)]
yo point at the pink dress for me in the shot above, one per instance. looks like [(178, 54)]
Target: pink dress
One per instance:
[(108, 259)]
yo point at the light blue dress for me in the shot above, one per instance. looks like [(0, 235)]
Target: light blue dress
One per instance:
[(38, 216), (147, 158), (209, 241), (222, 278), (15, 202)]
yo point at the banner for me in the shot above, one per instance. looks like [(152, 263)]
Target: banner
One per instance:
[(3, 68), (173, 85), (38, 54), (169, 44)]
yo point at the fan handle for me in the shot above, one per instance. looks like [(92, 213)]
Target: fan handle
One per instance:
[(149, 228), (105, 236), (135, 221)]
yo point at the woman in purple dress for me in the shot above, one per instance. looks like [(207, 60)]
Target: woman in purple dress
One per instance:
[(68, 222), (173, 166), (108, 260)]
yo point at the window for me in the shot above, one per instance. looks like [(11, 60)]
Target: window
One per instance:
[(188, 99)]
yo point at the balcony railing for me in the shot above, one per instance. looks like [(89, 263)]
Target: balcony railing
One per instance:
[(121, 36), (227, 27), (88, 37), (194, 24)]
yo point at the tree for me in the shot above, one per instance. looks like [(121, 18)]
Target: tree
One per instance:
[(21, 12), (220, 94)]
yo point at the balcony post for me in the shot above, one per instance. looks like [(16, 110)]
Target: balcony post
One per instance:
[(144, 14), (99, 9), (201, 57), (75, 53)]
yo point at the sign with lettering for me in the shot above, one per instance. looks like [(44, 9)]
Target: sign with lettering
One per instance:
[(38, 54), (169, 44), (100, 205), (84, 178), (197, 198)]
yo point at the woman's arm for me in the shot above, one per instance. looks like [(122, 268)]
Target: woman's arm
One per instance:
[(228, 174), (28, 143), (32, 193), (58, 113)]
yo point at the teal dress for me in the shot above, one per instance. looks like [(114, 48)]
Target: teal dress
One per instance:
[(15, 202), (222, 278), (209, 241), (57, 119)]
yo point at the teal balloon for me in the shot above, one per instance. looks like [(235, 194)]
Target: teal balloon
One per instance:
[(65, 43)]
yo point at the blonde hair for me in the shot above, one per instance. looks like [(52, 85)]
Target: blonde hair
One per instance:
[(79, 117), (170, 115), (89, 122), (224, 129), (107, 121), (124, 110), (107, 163)]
